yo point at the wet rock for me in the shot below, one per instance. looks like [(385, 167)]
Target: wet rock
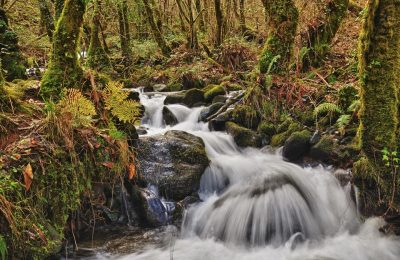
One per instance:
[(174, 99), (246, 116), (215, 90), (154, 212), (141, 130), (218, 123), (219, 99), (174, 162), (243, 137), (208, 111), (169, 117), (297, 145), (193, 97), (266, 130), (323, 150), (134, 95), (160, 87)]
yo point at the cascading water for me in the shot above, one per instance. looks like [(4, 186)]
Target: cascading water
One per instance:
[(257, 206)]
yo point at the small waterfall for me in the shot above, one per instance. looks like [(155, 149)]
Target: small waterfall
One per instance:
[(257, 206)]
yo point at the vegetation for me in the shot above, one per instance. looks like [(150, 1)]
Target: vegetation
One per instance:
[(271, 72)]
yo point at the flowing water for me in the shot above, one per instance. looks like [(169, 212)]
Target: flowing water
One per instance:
[(257, 206)]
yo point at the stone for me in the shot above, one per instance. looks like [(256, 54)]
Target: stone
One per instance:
[(297, 145)]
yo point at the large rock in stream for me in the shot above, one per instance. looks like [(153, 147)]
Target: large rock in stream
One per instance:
[(174, 162)]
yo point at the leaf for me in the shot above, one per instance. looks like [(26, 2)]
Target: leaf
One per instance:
[(109, 165), (132, 171), (28, 176), (40, 233)]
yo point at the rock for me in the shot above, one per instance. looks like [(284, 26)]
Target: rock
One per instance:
[(297, 145), (280, 138), (266, 130), (175, 87), (153, 211), (243, 137), (192, 97), (189, 81), (208, 111), (218, 123), (169, 117), (246, 116), (141, 130), (214, 91), (324, 149), (133, 95), (315, 137), (174, 99), (219, 99), (174, 162), (160, 87)]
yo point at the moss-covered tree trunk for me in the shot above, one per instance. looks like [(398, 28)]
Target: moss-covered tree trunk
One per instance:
[(242, 17), (379, 64), (64, 70), (97, 57), (58, 8), (10, 54), (199, 10), (220, 23), (282, 18), (124, 31), (158, 37), (318, 36), (46, 18)]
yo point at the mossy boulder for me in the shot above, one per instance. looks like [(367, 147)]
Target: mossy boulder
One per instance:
[(211, 93), (193, 97), (208, 111), (246, 116), (218, 123), (160, 87), (243, 137), (297, 145), (219, 99), (280, 138), (231, 86), (174, 162), (266, 130), (324, 150), (174, 99), (175, 87)]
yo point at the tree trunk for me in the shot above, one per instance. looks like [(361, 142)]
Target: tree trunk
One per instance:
[(318, 36), (64, 70), (157, 15), (158, 37), (379, 64), (97, 57), (124, 32), (202, 26), (282, 17), (58, 8), (10, 53), (46, 18), (220, 23), (242, 17)]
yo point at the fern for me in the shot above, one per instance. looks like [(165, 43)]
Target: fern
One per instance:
[(79, 107), (327, 108), (115, 98), (3, 248), (343, 121), (272, 63), (355, 106)]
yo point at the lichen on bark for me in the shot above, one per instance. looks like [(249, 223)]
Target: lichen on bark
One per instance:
[(282, 18)]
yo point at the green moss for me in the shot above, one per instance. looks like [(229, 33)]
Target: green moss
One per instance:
[(175, 87), (246, 116), (379, 60), (193, 96), (282, 18), (64, 70), (280, 138), (243, 137), (213, 92), (10, 55), (267, 130)]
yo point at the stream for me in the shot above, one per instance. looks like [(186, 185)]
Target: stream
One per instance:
[(255, 205)]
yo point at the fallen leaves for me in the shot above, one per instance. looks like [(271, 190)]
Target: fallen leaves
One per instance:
[(132, 171), (28, 176)]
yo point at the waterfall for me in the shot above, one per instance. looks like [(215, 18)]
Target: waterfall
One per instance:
[(257, 206)]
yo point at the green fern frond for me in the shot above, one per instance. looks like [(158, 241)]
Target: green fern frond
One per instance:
[(115, 98), (327, 107), (355, 106), (343, 121), (79, 107)]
